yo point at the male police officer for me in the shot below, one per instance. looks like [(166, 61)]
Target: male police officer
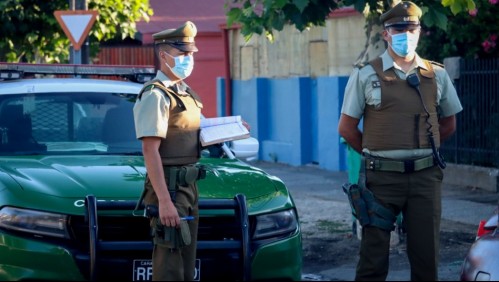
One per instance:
[(409, 106), (167, 117)]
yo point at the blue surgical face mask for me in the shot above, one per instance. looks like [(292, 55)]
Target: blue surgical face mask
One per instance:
[(183, 65), (404, 44)]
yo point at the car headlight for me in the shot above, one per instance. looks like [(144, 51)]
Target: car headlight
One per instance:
[(35, 222), (275, 224)]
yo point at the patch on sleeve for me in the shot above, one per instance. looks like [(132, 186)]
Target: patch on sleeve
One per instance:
[(376, 84)]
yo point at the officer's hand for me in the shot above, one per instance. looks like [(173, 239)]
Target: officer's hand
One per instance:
[(168, 214)]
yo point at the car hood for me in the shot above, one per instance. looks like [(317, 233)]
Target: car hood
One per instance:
[(122, 177)]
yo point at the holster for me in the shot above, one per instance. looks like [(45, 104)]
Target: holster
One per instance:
[(367, 209), (171, 237), (177, 176)]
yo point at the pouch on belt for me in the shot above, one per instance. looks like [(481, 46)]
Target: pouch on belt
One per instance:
[(171, 237), (187, 175)]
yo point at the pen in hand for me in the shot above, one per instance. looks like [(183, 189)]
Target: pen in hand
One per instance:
[(152, 211)]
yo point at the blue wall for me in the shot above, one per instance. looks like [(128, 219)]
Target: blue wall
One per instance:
[(294, 119)]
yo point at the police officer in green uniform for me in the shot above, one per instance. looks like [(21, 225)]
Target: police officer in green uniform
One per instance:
[(167, 118), (408, 106)]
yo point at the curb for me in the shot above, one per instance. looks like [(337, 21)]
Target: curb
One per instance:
[(485, 178)]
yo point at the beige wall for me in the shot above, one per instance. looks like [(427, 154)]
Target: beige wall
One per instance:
[(319, 51)]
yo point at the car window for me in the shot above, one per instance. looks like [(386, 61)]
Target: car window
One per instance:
[(69, 123), (65, 123)]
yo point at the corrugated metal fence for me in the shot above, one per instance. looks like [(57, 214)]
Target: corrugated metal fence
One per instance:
[(126, 55), (476, 141)]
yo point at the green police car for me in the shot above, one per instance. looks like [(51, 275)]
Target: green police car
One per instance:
[(72, 171)]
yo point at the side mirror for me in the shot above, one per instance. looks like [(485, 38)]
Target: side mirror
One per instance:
[(245, 148)]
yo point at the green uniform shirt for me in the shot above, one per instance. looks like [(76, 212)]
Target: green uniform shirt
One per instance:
[(360, 91)]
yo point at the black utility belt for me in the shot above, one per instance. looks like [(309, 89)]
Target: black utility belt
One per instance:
[(186, 174), (403, 166)]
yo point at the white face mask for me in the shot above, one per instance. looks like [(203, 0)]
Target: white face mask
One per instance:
[(183, 65), (404, 44)]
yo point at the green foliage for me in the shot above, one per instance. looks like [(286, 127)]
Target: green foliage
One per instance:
[(450, 27), (434, 15), (258, 16), (30, 32), (474, 34), (267, 16), (458, 6)]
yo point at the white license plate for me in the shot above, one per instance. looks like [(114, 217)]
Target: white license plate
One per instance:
[(142, 270)]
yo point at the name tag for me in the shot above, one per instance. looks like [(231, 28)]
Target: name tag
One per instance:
[(376, 84)]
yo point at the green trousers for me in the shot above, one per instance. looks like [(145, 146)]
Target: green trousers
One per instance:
[(176, 264), (418, 196)]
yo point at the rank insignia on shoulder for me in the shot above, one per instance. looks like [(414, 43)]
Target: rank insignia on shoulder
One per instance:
[(376, 84)]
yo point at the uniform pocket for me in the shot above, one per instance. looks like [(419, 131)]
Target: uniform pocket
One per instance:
[(373, 97)]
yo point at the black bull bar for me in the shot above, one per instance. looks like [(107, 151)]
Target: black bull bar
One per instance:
[(238, 204)]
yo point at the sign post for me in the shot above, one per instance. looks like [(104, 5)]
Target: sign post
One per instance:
[(76, 25)]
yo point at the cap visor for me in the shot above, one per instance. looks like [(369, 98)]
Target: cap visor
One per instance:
[(188, 47), (401, 24)]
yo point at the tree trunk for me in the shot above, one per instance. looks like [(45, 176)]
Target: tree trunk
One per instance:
[(375, 45)]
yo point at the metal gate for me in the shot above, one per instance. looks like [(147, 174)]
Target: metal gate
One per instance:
[(476, 141)]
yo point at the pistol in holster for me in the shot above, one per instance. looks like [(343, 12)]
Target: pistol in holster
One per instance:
[(366, 209), (170, 237)]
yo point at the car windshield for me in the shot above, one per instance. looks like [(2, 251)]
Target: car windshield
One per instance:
[(68, 123)]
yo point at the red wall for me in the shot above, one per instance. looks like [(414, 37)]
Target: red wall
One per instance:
[(208, 65)]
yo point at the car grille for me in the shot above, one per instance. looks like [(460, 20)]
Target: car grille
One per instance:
[(111, 228), (108, 248), (115, 228)]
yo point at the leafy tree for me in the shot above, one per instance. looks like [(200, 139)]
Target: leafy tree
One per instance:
[(470, 35), (268, 16), (31, 33)]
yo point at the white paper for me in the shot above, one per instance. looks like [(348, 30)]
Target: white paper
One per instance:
[(221, 129)]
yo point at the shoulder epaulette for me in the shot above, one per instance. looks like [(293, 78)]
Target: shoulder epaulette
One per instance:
[(360, 65), (437, 64)]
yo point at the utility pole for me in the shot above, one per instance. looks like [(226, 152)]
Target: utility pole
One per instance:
[(81, 56)]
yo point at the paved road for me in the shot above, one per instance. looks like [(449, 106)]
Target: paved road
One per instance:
[(318, 195)]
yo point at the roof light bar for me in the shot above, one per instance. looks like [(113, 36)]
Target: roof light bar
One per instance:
[(19, 70), (9, 75)]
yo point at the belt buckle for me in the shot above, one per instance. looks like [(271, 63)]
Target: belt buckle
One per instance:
[(409, 166)]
